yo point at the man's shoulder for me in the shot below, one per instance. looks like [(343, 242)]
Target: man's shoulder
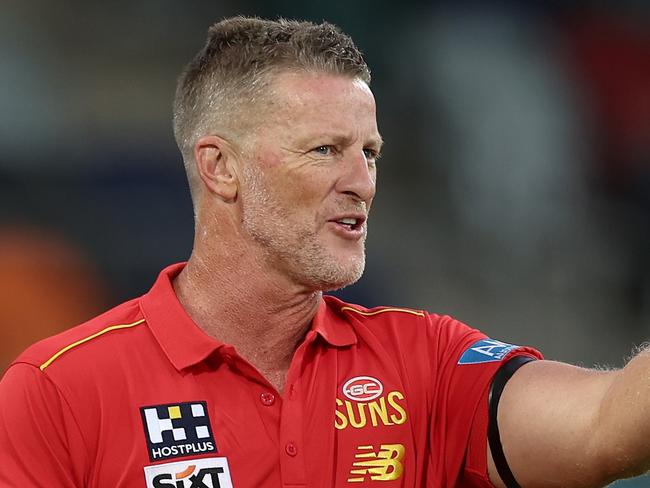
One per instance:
[(63, 347), (386, 315), (375, 315), (406, 323), (384, 322)]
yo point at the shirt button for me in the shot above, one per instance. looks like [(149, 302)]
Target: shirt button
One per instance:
[(267, 399), (291, 449)]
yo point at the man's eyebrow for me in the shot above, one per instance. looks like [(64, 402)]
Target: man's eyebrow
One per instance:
[(377, 142)]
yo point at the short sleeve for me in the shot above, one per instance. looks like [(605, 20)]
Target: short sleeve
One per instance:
[(40, 443), (465, 362)]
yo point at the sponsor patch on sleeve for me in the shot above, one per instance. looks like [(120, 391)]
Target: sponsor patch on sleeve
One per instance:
[(486, 351)]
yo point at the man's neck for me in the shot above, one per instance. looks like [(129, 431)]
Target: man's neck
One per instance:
[(239, 304)]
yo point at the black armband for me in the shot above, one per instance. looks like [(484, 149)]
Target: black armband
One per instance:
[(494, 438)]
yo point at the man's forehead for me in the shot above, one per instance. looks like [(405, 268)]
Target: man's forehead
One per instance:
[(301, 106), (301, 87)]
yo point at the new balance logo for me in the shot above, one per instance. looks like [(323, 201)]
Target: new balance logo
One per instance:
[(178, 429), (383, 465)]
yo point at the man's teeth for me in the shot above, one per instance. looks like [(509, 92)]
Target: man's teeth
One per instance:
[(348, 221)]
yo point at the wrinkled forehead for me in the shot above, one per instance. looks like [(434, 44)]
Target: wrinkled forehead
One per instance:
[(304, 89), (307, 101)]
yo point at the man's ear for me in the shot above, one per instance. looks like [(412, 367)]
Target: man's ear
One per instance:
[(216, 165)]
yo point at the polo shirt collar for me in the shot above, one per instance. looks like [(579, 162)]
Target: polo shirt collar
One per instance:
[(186, 344), (331, 324)]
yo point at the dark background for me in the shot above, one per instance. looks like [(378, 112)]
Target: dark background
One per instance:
[(514, 190)]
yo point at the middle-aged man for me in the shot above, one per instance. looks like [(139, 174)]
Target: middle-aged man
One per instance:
[(234, 370)]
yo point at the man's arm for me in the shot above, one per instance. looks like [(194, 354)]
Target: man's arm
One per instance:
[(564, 426), (37, 431)]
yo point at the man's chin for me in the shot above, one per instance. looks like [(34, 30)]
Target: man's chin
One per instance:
[(339, 277)]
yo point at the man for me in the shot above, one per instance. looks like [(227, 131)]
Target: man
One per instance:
[(234, 370)]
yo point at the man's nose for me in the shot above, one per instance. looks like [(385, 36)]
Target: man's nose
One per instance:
[(359, 177)]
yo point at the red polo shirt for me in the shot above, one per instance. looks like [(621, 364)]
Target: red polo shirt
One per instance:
[(141, 396)]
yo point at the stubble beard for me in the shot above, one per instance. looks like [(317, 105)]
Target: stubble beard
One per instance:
[(290, 245)]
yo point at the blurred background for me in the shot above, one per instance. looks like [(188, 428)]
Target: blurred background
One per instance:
[(514, 190)]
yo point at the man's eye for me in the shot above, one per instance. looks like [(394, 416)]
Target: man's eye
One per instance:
[(323, 150), (370, 154)]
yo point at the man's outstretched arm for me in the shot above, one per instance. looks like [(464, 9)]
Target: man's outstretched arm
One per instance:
[(564, 426)]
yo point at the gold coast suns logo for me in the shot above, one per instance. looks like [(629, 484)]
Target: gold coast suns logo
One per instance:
[(366, 402)]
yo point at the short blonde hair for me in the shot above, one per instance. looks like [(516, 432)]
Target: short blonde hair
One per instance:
[(225, 82)]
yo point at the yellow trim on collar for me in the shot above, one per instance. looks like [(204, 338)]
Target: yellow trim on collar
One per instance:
[(382, 310)]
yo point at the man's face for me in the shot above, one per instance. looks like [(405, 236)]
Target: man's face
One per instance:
[(310, 178)]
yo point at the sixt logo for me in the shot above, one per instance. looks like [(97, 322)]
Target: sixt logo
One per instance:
[(363, 388), (383, 465), (197, 473), (177, 429)]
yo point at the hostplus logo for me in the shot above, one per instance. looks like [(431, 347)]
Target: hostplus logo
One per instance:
[(177, 429)]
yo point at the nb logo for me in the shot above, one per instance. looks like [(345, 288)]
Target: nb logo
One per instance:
[(383, 465)]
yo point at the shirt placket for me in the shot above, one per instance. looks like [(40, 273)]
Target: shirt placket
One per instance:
[(292, 445), (268, 402)]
